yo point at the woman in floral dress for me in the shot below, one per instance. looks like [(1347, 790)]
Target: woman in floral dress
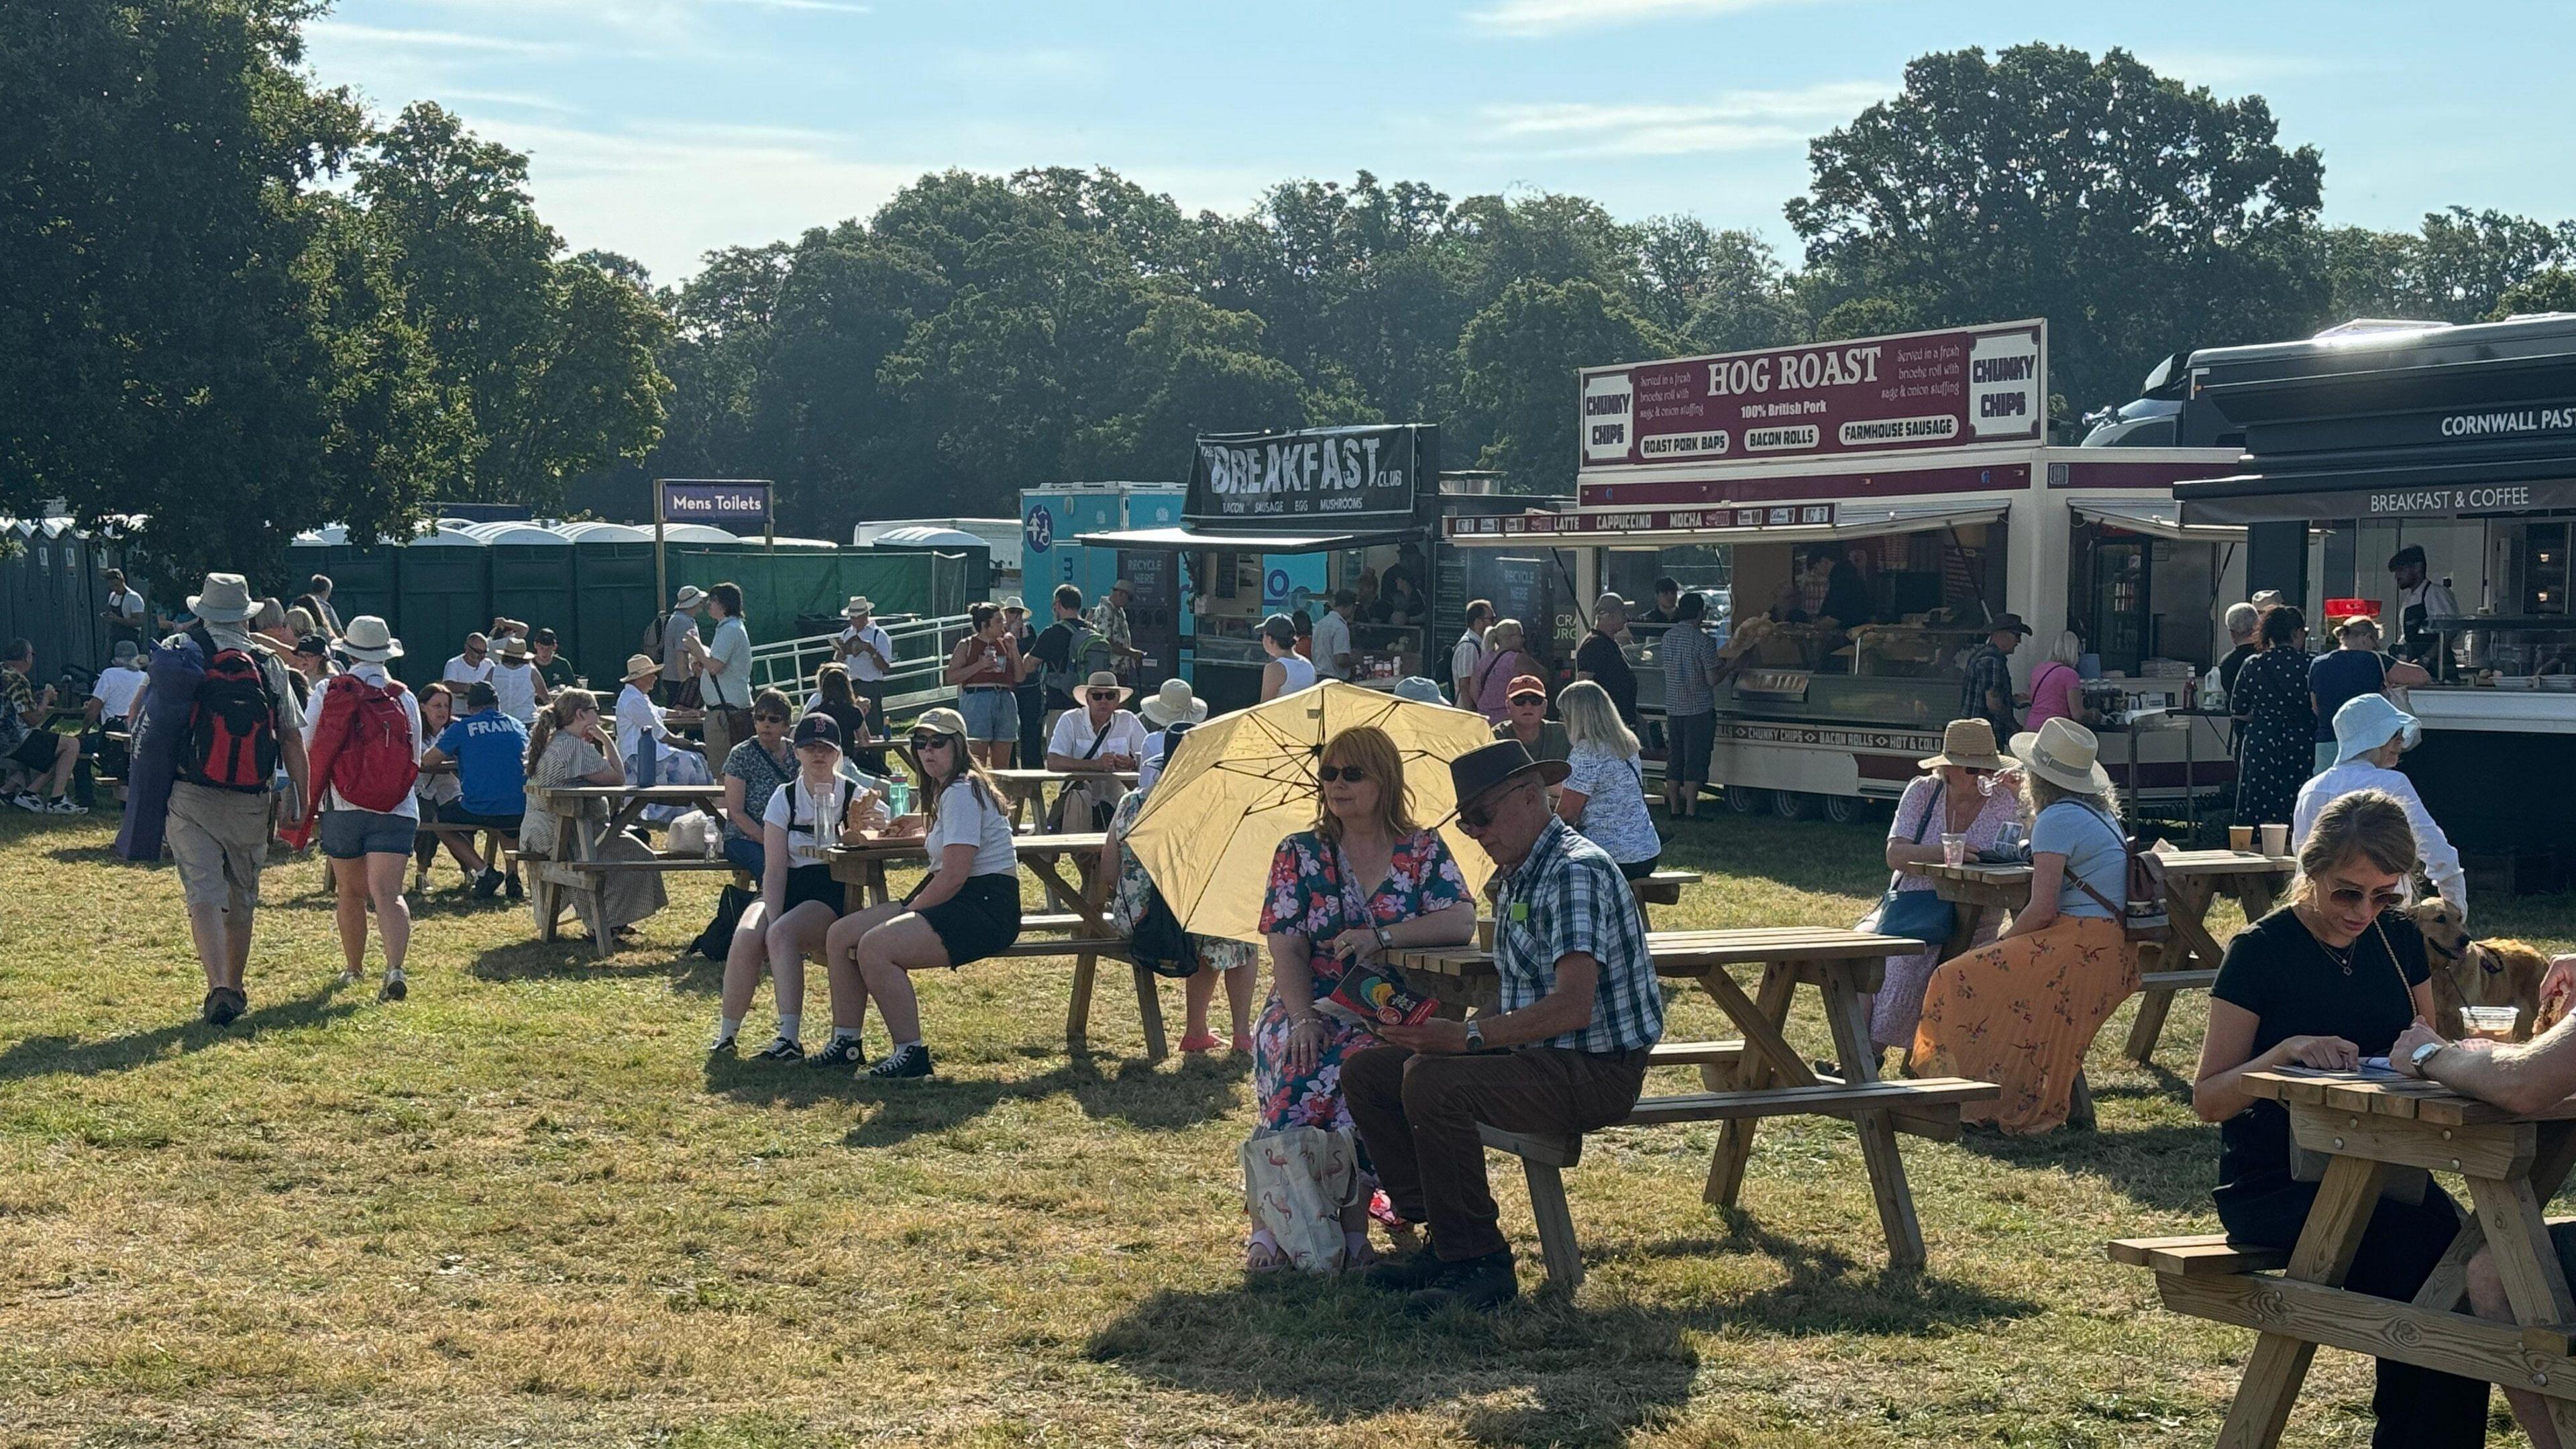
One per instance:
[(1951, 796), (2277, 742), (1336, 892)]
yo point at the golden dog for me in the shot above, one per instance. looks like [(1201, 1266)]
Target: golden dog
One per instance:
[(2477, 973)]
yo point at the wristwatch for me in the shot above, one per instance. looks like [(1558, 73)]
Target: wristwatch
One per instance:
[(1385, 942), (2416, 1059), (1475, 1036)]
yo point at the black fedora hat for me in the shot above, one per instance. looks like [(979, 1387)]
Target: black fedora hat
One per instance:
[(1482, 770)]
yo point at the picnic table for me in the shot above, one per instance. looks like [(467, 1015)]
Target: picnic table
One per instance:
[(1756, 1077), (1072, 923), (2193, 879), (1024, 788), (575, 882), (2368, 1124)]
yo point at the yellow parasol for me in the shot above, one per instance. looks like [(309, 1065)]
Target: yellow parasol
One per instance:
[(1239, 784)]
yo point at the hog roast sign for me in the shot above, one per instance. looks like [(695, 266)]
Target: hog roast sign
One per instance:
[(1906, 392)]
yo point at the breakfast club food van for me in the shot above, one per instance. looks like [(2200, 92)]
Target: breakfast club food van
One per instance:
[(1909, 478)]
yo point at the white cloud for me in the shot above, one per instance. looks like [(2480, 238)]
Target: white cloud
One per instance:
[(341, 35), (1736, 121), (2230, 69), (1549, 17)]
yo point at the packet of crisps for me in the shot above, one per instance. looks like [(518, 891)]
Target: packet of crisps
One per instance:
[(1376, 995)]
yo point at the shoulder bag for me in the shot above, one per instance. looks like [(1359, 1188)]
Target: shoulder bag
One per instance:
[(2142, 916), (1917, 915)]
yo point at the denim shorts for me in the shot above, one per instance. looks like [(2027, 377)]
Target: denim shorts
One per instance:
[(349, 834), (991, 713)]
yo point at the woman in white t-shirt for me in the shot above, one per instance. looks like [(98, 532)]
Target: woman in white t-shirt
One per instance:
[(799, 900), (966, 909)]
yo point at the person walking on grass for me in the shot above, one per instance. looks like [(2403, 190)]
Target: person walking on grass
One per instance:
[(233, 734), (1566, 1054), (966, 909), (365, 736), (46, 757)]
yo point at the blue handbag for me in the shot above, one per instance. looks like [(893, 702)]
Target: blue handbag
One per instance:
[(1919, 915)]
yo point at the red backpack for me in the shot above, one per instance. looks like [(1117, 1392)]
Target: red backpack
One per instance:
[(366, 744), (232, 727)]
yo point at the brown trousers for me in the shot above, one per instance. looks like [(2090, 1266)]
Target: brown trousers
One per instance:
[(1418, 1116)]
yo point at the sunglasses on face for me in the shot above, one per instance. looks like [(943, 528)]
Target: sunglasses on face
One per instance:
[(2347, 898), (769, 719), (1104, 696), (1329, 773), (924, 742)]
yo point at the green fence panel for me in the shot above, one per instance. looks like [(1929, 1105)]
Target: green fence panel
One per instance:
[(613, 603), (445, 591), (534, 583), (362, 579)]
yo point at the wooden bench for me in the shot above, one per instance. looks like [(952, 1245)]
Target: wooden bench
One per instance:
[(1664, 887), (1544, 1157), (2196, 1255)]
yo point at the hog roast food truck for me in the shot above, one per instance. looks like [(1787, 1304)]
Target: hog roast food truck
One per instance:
[(1911, 477)]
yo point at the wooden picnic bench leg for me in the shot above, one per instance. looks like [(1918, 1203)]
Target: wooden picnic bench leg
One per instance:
[(1766, 1053), (2449, 1281), (2188, 901), (1077, 1013), (1877, 1130), (1555, 1219), (1149, 1010), (2518, 1240), (1964, 916), (2279, 1363)]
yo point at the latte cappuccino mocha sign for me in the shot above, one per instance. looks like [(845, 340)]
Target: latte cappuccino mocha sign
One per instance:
[(1915, 390)]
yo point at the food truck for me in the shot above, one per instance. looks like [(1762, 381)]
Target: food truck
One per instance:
[(1920, 463), (1275, 523), (2378, 437)]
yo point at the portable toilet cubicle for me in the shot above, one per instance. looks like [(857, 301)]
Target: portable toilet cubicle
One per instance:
[(954, 568), (613, 602), (363, 580), (1051, 518), (531, 575), (445, 581)]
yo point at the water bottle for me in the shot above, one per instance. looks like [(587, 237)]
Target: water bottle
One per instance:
[(898, 797)]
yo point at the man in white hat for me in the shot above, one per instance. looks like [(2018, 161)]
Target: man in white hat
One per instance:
[(1096, 739), (1173, 704), (219, 828), (867, 651), (679, 632)]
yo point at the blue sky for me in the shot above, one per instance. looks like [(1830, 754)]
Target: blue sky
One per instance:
[(661, 128)]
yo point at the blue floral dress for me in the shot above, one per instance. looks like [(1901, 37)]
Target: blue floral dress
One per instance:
[(1306, 899)]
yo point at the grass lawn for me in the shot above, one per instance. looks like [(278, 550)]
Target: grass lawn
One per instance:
[(522, 1208)]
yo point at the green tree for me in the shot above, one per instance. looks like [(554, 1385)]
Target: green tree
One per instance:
[(556, 355), (193, 328), (2551, 291), (2135, 213), (1517, 361)]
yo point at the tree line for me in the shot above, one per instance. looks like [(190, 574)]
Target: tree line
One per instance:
[(241, 308)]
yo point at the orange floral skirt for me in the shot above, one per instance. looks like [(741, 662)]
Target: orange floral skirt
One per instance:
[(2022, 1013)]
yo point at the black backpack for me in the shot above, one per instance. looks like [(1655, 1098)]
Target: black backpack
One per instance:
[(1158, 943)]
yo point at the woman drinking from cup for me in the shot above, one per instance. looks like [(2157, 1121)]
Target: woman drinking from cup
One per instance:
[(2023, 1011), (966, 909), (985, 666), (799, 900), (2330, 978), (1365, 877)]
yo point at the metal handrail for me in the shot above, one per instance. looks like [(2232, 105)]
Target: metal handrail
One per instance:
[(916, 682)]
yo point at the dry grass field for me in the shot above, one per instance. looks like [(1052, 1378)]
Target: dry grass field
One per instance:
[(523, 1208)]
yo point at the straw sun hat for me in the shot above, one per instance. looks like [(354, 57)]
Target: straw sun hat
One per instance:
[(2063, 753), (1969, 744)]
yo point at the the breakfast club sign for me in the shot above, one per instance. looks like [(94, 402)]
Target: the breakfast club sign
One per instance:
[(1316, 473), (1912, 390)]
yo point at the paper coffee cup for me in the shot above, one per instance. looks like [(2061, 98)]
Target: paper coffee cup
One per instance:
[(2276, 840), (2240, 837)]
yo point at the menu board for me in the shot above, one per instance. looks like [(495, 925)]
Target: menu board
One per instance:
[(1153, 612)]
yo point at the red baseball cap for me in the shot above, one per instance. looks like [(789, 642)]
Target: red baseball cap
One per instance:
[(1526, 684)]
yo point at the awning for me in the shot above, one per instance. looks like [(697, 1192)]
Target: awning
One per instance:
[(2418, 491), (2157, 518), (1665, 527), (1186, 537)]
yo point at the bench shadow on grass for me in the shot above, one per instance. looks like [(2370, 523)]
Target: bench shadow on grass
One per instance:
[(1131, 1092), (572, 957), (38, 1056), (2169, 1167), (1546, 1370)]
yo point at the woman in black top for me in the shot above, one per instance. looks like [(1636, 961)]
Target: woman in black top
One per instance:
[(2325, 981)]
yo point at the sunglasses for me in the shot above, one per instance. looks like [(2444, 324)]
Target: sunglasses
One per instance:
[(923, 742), (1105, 695), (1329, 773), (2379, 900), (769, 719)]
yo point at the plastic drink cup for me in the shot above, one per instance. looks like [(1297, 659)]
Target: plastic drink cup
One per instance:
[(2240, 837), (2276, 840), (1954, 849), (2494, 1023)]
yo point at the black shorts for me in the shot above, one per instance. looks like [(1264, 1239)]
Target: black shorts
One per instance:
[(1692, 736), (982, 918), (814, 883), (36, 752), (455, 813), (1639, 869)]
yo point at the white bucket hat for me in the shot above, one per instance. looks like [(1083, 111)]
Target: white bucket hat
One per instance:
[(369, 641), (689, 594), (1174, 701), (858, 608)]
